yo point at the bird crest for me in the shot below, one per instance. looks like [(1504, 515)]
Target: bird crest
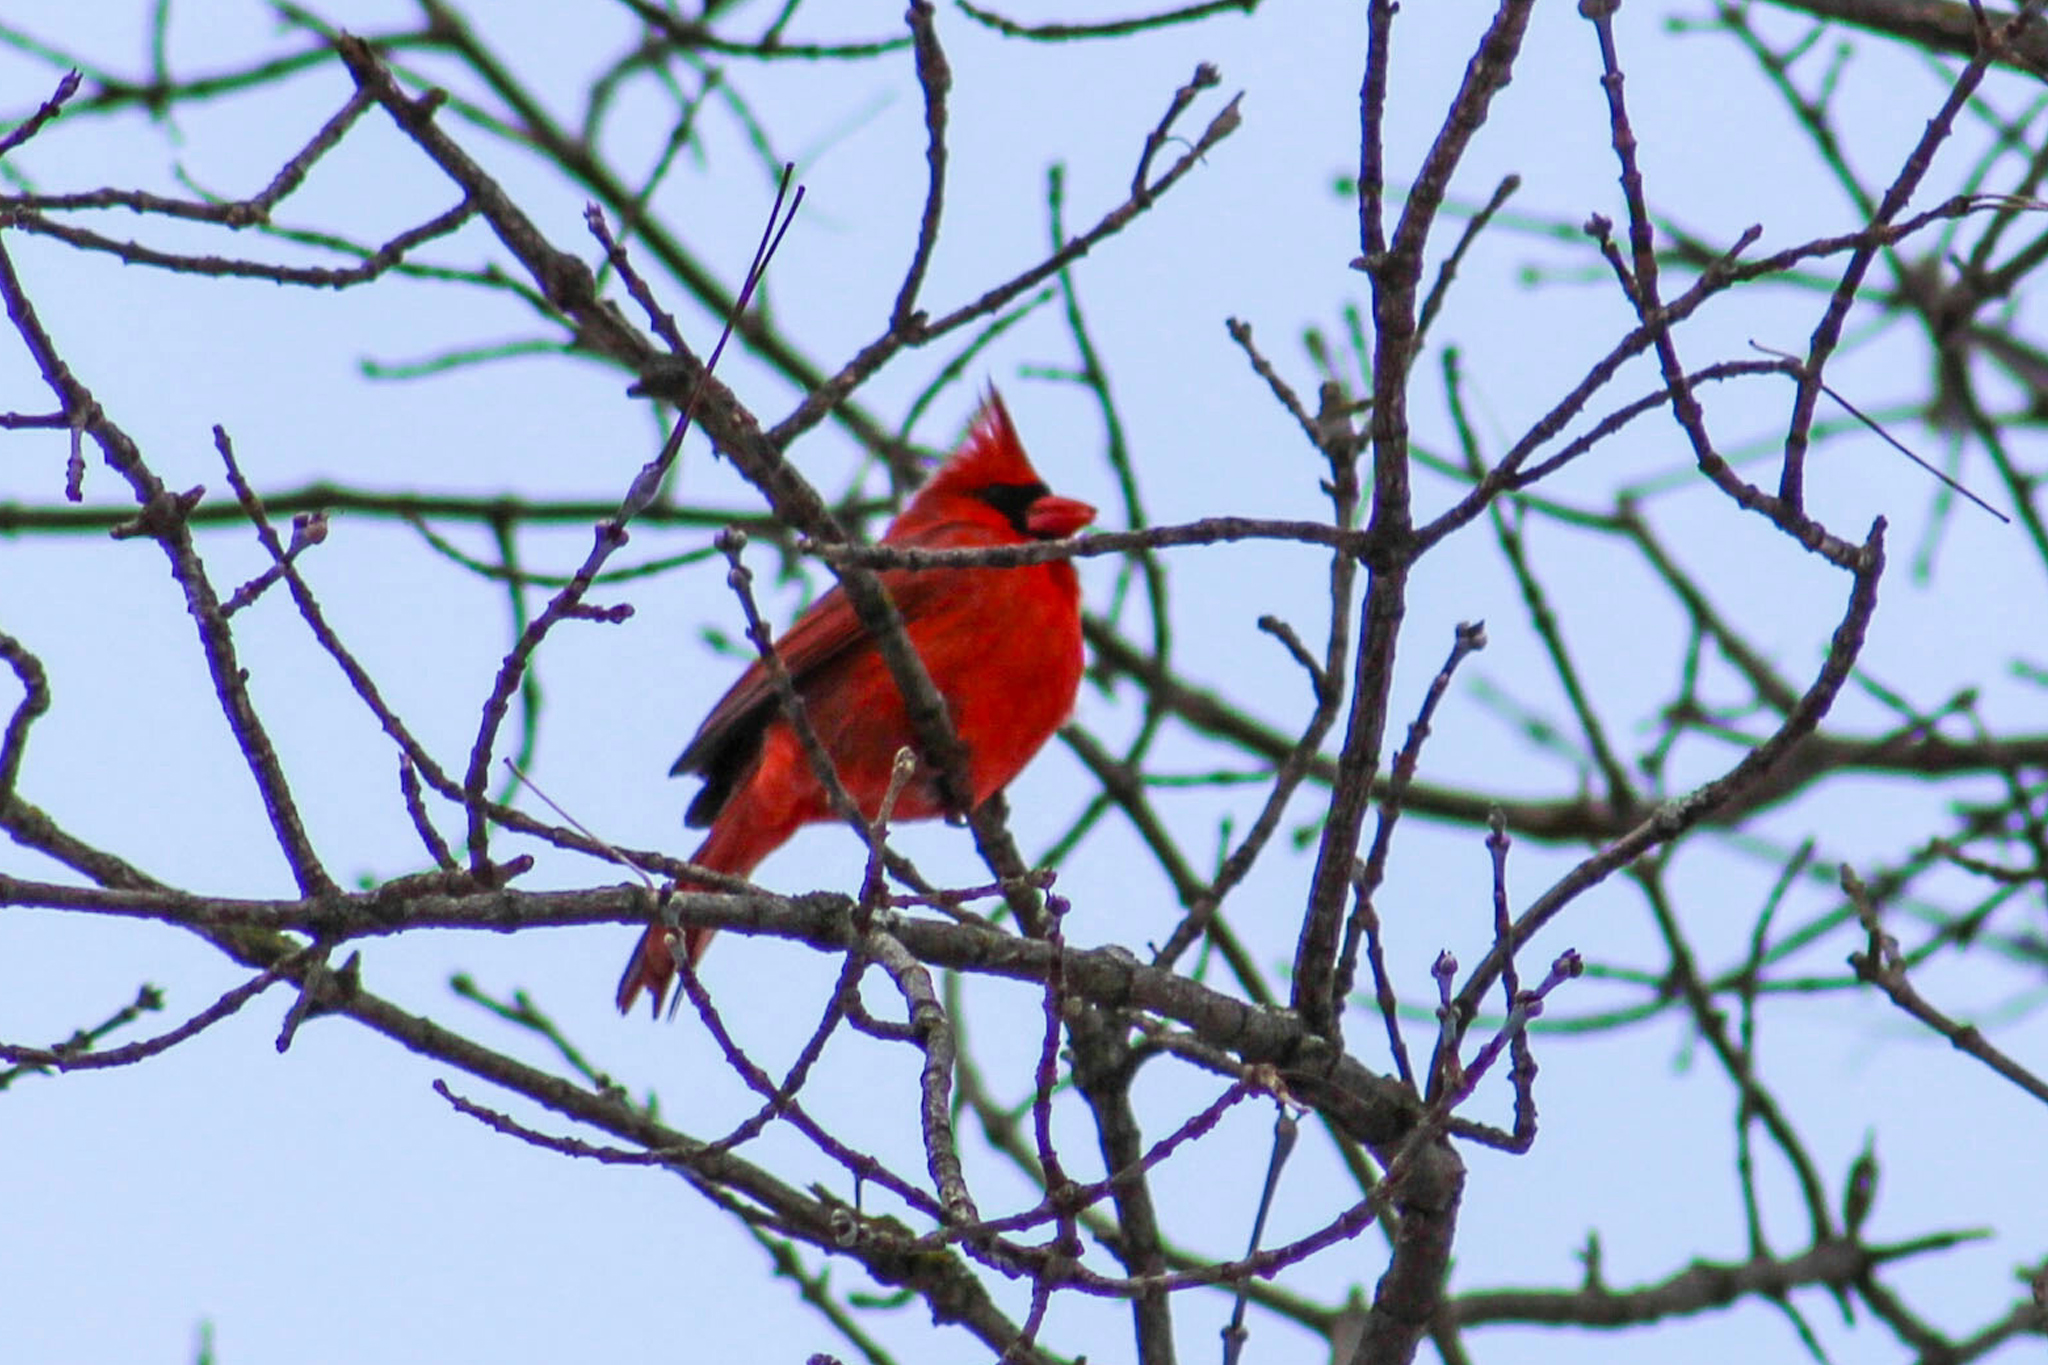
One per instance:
[(991, 455)]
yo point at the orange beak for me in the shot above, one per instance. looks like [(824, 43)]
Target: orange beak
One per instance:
[(1053, 517)]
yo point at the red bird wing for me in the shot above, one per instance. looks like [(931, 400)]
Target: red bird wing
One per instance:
[(824, 637)]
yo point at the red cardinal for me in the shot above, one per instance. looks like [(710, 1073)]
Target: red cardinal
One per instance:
[(1003, 647)]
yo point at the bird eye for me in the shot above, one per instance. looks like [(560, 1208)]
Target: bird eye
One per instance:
[(1013, 500)]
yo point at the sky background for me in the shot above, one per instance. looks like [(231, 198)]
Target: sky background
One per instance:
[(325, 1205)]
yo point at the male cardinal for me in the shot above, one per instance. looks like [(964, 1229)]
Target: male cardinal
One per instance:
[(1003, 647)]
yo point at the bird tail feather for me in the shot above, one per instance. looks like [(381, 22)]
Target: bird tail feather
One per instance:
[(738, 841)]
